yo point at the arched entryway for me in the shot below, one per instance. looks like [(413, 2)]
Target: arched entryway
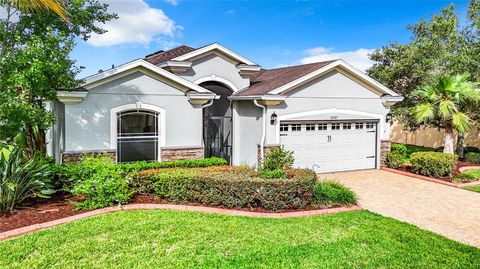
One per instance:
[(217, 122)]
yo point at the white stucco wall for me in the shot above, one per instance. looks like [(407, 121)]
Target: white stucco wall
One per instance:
[(331, 91), (88, 122), (212, 64)]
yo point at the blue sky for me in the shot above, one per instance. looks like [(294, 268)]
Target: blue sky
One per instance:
[(270, 33)]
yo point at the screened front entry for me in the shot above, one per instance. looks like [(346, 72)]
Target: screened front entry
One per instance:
[(137, 136)]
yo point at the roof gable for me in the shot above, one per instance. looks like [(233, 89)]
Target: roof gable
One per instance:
[(355, 74), (215, 47), (146, 68)]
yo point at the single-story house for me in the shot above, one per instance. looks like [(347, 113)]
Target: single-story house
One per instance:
[(188, 103)]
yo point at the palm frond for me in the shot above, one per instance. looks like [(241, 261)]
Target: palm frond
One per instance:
[(31, 6), (427, 93), (424, 112), (447, 108), (461, 122)]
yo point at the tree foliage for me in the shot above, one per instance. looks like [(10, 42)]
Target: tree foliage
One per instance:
[(438, 46), (35, 62)]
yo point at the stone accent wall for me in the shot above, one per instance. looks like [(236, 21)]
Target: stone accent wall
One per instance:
[(384, 149), (76, 156), (181, 153), (266, 150)]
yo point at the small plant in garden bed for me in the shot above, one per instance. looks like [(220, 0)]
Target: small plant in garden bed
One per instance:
[(22, 178), (330, 192)]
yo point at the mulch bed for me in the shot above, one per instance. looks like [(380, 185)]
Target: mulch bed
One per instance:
[(60, 206)]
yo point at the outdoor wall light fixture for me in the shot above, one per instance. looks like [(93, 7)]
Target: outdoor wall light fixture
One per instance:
[(388, 117), (273, 118)]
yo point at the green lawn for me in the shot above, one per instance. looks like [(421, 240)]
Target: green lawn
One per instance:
[(170, 239), (473, 188), (468, 176), (412, 149)]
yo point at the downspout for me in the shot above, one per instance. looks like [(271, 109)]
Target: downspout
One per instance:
[(262, 142)]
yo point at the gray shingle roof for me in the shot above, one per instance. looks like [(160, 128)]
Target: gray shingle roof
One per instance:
[(268, 80)]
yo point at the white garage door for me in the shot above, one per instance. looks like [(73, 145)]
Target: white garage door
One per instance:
[(331, 146)]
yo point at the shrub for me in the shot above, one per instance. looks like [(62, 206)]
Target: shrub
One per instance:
[(433, 164), (330, 192), (207, 162), (394, 160), (99, 181), (278, 158), (399, 149), (21, 179), (472, 157), (232, 189), (471, 149), (271, 174)]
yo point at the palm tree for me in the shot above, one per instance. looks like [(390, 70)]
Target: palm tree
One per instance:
[(30, 6), (446, 102)]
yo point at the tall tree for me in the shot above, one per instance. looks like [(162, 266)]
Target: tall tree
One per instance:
[(35, 62), (447, 102), (438, 46)]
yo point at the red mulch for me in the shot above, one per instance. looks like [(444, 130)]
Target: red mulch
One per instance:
[(38, 211), (61, 206), (455, 173)]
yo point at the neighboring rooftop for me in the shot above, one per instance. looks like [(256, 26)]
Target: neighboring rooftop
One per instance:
[(163, 56), (268, 80)]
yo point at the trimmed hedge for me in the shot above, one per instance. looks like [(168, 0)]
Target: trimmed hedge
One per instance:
[(472, 157), (394, 160), (207, 162), (235, 188), (433, 164)]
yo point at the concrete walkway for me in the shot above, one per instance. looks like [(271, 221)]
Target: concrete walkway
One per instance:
[(449, 211)]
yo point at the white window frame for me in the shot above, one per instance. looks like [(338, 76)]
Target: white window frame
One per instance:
[(323, 126), (138, 106), (345, 125), (284, 127), (334, 126), (310, 127), (296, 127), (359, 125)]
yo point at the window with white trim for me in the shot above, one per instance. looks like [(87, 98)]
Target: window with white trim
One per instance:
[(370, 125), (335, 126), (322, 126), (283, 127), (359, 125), (310, 127), (347, 126), (296, 127), (137, 136)]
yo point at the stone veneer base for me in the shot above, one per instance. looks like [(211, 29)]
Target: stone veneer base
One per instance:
[(181, 153), (76, 156), (297, 214)]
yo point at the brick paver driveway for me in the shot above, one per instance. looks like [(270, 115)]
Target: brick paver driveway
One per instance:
[(451, 212)]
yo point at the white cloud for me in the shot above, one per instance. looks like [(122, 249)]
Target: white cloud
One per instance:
[(137, 23), (172, 2), (230, 12), (358, 58)]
